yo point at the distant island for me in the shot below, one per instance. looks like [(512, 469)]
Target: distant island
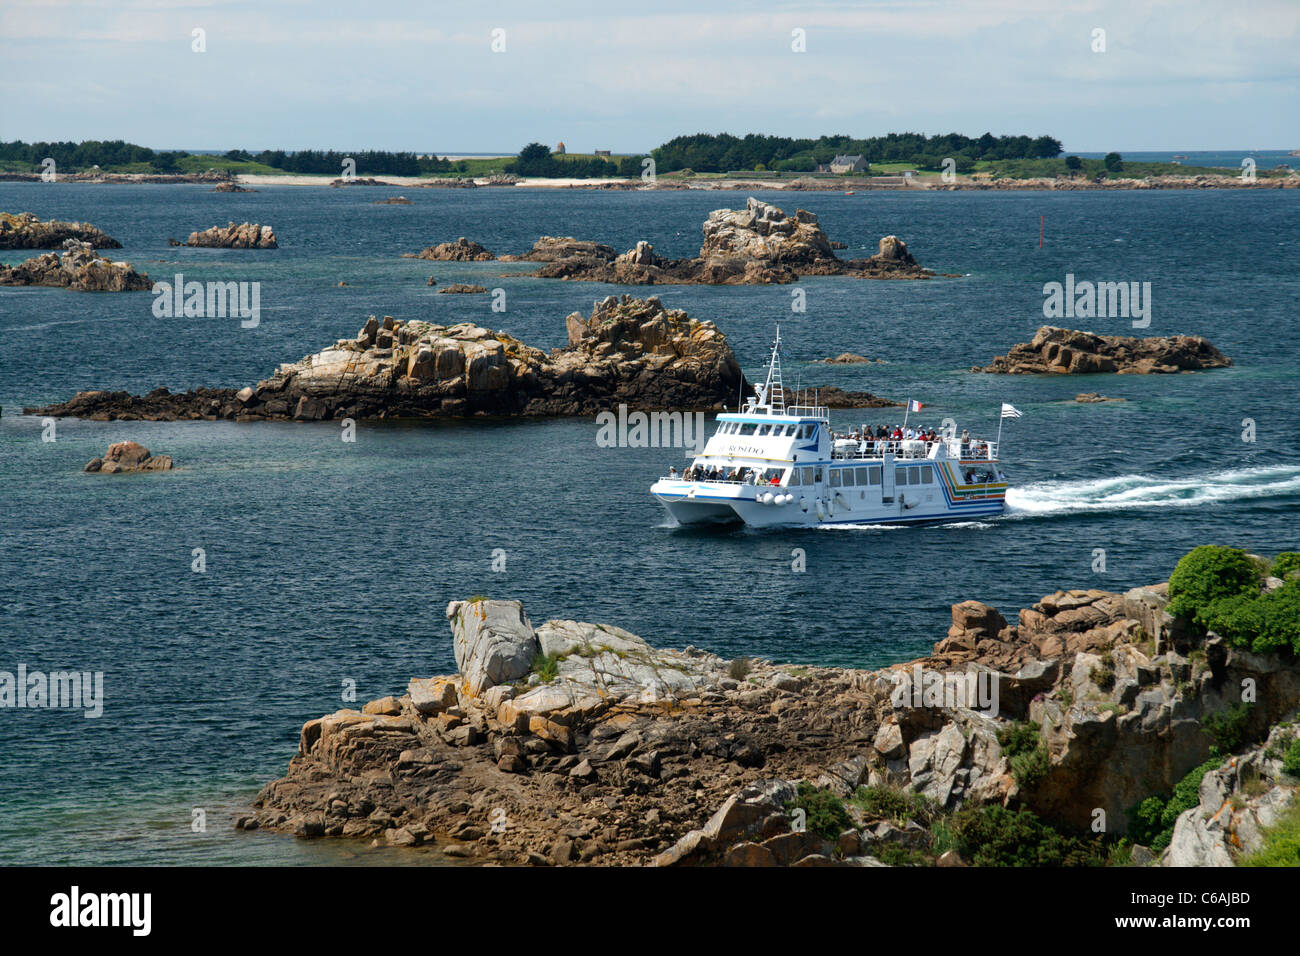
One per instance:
[(701, 160)]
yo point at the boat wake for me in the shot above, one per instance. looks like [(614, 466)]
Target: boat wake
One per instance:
[(1142, 491)]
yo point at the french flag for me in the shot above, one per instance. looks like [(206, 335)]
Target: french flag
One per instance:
[(913, 405)]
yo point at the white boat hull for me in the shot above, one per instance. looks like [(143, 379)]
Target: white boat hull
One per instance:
[(705, 502)]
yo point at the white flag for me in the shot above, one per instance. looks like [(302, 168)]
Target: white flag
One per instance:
[(1010, 411)]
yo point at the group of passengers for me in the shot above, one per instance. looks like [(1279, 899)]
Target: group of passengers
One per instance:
[(736, 475), (711, 473), (884, 433), (885, 439)]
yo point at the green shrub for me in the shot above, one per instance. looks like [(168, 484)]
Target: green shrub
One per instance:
[(995, 836), (1208, 573), (891, 854), (824, 810), (1020, 737), (886, 803), (1028, 769), (1218, 588), (1286, 563), (1291, 759), (546, 666), (1227, 728), (1281, 843), (1151, 822)]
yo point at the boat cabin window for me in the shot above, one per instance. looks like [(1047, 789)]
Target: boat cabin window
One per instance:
[(903, 476), (835, 477), (875, 473), (805, 431), (927, 474), (807, 478), (747, 428), (819, 476)]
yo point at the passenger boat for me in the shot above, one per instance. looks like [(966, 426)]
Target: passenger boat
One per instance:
[(772, 464)]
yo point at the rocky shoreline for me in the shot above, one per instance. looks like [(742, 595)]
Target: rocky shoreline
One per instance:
[(79, 268), (582, 743), (1070, 351), (757, 245), (629, 351)]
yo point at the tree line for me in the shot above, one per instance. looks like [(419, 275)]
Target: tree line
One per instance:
[(723, 152), (700, 152)]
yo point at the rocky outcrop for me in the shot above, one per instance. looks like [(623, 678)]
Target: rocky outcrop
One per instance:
[(245, 235), (834, 397), (631, 351), (232, 188), (25, 231), (462, 288), (757, 245), (574, 742), (126, 456), (1236, 804), (1074, 352), (462, 250), (79, 268)]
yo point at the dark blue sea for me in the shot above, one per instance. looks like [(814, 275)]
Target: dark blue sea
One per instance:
[(329, 562)]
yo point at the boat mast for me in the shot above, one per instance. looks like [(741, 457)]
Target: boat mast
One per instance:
[(773, 390)]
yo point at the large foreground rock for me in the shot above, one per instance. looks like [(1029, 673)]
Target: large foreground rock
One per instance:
[(245, 235), (626, 753), (25, 231), (757, 245), (1070, 351), (632, 351), (79, 268)]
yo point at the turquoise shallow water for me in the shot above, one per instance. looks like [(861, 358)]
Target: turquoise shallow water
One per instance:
[(329, 562)]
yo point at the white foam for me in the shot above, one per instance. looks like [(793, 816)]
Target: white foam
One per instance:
[(1143, 491)]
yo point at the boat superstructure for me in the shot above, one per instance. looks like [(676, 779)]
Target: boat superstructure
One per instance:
[(776, 464)]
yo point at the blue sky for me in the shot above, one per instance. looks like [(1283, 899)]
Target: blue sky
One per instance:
[(1176, 74)]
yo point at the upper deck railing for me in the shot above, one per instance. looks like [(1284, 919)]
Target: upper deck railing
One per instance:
[(822, 412), (974, 449)]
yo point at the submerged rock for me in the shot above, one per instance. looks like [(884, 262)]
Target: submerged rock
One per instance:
[(125, 456), (25, 231), (461, 288), (79, 268), (1070, 351)]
